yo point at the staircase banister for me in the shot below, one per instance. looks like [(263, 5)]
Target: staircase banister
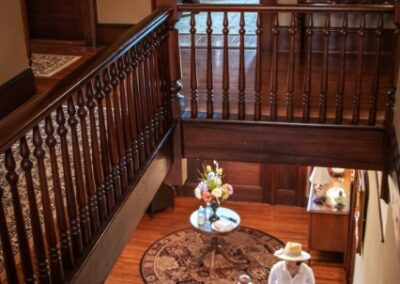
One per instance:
[(299, 8), (15, 125)]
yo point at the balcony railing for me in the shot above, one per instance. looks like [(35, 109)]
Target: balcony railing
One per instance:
[(328, 64)]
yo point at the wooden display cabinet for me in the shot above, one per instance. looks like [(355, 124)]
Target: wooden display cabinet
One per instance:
[(328, 227)]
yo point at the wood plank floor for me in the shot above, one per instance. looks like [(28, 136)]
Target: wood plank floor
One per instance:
[(285, 223)]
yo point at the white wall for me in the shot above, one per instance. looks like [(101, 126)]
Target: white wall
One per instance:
[(122, 11), (13, 57), (379, 262)]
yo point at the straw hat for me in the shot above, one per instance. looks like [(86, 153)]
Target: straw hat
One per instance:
[(292, 252)]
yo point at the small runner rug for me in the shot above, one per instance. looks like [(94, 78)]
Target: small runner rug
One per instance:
[(46, 65), (174, 258)]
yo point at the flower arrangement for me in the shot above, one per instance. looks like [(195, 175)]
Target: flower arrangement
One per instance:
[(210, 188)]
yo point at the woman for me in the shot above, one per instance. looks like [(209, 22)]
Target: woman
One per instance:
[(291, 269)]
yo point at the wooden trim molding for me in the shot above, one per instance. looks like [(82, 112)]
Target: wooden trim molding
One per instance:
[(16, 91), (108, 33), (284, 143)]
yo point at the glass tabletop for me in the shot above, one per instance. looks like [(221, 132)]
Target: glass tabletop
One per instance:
[(224, 214)]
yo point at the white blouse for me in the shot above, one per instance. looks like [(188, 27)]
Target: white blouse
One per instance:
[(280, 275)]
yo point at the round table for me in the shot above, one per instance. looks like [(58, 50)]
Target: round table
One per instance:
[(206, 228)]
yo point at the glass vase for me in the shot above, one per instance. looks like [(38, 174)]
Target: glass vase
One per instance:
[(214, 204)]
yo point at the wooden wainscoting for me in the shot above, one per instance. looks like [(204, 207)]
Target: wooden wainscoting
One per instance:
[(256, 182)]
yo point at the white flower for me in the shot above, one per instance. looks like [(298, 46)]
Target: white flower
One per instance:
[(217, 192), (211, 175), (197, 193)]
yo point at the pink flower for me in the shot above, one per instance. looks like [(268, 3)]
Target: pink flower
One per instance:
[(228, 188), (206, 196)]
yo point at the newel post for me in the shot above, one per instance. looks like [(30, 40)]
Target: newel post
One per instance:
[(178, 172)]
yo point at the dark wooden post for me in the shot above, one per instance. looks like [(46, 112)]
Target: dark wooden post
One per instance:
[(267, 26), (177, 174)]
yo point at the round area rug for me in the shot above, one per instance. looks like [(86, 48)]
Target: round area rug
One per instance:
[(177, 258)]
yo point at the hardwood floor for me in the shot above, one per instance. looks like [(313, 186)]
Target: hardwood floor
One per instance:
[(285, 223), (44, 84)]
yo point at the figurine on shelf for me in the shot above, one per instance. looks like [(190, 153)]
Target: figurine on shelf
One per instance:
[(319, 195), (340, 201)]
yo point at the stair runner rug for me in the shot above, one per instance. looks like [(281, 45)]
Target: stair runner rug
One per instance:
[(46, 65), (174, 258)]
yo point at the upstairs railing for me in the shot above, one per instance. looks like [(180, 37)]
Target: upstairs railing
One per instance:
[(290, 63), (69, 158)]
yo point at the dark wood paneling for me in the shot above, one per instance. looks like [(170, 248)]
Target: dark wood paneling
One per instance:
[(244, 177), (256, 182), (62, 20), (106, 251), (325, 145), (108, 33), (16, 91), (285, 184)]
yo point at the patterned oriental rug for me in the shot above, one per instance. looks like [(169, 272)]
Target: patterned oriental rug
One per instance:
[(174, 258), (46, 65)]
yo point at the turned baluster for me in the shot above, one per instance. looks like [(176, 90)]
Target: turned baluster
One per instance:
[(131, 111), (136, 100), (76, 235), (157, 79), (112, 139), (274, 70), (57, 272), (8, 255), (193, 72), (116, 95), (307, 73), (42, 263), (24, 250), (324, 77), (164, 75), (97, 164), (242, 77), (154, 84), (88, 166), (127, 158), (105, 154), (79, 181), (148, 94), (142, 100), (257, 80), (125, 118), (376, 77), (359, 74), (210, 87), (290, 78), (66, 249), (341, 79), (225, 70)]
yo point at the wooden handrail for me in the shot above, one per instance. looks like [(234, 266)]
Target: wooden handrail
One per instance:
[(16, 124), (298, 8), (94, 133)]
